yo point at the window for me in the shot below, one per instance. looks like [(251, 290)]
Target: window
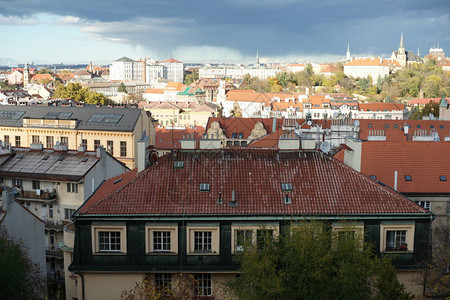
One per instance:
[(418, 126), (203, 240), (50, 210), (72, 187), (35, 139), (110, 147), (286, 187), (424, 204), (204, 187), (65, 140), (395, 125), (163, 280), (386, 125), (84, 143), (36, 185), (6, 140), (68, 212), (50, 142), (408, 178), (109, 239), (203, 284), (443, 178), (348, 231), (373, 177), (17, 141), (370, 125), (397, 237), (17, 182), (96, 144), (123, 148), (178, 164), (448, 207), (245, 235), (161, 239)]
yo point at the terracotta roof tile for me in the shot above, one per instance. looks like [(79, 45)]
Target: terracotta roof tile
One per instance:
[(321, 186), (425, 162), (170, 138), (380, 106)]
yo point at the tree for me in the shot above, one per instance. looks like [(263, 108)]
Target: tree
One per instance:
[(190, 78), (78, 93), (387, 284), (122, 88), (311, 262), (429, 108), (20, 277), (432, 86), (182, 288)]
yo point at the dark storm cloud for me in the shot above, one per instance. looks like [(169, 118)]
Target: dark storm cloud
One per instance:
[(275, 27)]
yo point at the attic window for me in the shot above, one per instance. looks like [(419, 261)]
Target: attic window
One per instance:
[(441, 126), (443, 178), (386, 125), (431, 126), (395, 125), (408, 178), (234, 135), (370, 125), (240, 135), (178, 164), (373, 177), (286, 187), (45, 158), (84, 160), (204, 187), (418, 126)]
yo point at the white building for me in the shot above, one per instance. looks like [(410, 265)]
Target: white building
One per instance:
[(385, 111), (374, 67), (146, 70), (237, 72)]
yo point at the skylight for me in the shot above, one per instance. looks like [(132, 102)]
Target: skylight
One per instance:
[(443, 178), (58, 115), (204, 187), (373, 177), (178, 164), (105, 118), (286, 199), (11, 115), (408, 178), (286, 187)]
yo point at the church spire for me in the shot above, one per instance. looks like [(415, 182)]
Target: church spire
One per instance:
[(418, 51), (401, 42), (257, 57)]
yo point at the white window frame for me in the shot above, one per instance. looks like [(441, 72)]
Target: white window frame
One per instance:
[(96, 229), (215, 239), (201, 286), (72, 187), (424, 204), (254, 229), (149, 236), (358, 230), (410, 230)]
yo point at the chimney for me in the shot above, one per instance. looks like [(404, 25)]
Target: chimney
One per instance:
[(101, 152), (142, 159), (81, 149), (274, 124), (144, 70), (395, 179), (233, 199)]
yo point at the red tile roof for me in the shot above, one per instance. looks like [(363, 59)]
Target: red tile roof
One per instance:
[(170, 60), (423, 101), (170, 138), (372, 61), (423, 161), (243, 125), (252, 96), (380, 106), (321, 186), (37, 77), (397, 133)]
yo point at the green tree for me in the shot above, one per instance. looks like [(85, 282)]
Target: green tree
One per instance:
[(387, 285), (94, 98), (19, 277), (190, 78), (432, 86), (311, 262), (78, 93), (122, 88), (429, 108), (45, 71)]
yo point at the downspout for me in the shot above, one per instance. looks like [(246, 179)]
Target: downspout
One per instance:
[(78, 265)]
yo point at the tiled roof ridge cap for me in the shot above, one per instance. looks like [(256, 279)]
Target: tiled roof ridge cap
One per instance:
[(136, 177), (385, 187)]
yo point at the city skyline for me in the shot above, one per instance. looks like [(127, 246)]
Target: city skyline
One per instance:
[(230, 31)]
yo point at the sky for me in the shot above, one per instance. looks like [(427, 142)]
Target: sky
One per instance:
[(230, 31)]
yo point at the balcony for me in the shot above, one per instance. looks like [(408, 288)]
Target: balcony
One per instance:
[(56, 225), (36, 195), (54, 252)]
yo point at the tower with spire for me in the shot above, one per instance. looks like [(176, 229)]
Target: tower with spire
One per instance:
[(26, 75), (401, 54), (348, 56), (257, 57)]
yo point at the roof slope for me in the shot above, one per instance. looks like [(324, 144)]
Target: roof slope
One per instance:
[(321, 186), (47, 164), (425, 162)]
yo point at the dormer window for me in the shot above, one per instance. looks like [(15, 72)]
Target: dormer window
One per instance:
[(286, 187), (204, 187)]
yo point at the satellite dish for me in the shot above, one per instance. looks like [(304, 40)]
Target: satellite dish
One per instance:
[(356, 123), (58, 143), (309, 123), (325, 147)]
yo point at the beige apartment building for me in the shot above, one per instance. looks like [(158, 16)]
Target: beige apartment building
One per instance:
[(116, 129)]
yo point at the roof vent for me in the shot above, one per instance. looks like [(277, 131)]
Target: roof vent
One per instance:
[(219, 199), (204, 187), (233, 199), (61, 158), (84, 160), (45, 158), (286, 199)]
